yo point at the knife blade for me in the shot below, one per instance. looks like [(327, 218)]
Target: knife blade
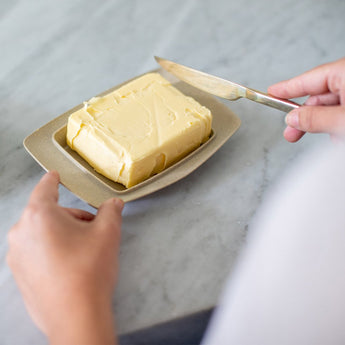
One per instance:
[(224, 88)]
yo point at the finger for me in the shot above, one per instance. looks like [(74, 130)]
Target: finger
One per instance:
[(80, 214), (292, 134), (315, 119), (322, 79), (324, 99), (109, 213), (47, 189)]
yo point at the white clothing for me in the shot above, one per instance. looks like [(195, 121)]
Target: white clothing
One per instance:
[(289, 284)]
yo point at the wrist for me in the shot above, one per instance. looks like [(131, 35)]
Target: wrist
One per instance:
[(87, 321)]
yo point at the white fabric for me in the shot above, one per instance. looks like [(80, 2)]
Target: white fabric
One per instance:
[(289, 285)]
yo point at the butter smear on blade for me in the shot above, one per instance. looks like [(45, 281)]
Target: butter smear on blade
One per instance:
[(138, 130)]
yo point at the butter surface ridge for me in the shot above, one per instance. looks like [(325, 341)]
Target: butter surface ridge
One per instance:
[(138, 130)]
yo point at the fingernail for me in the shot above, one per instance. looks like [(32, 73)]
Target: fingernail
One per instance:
[(119, 203), (292, 119), (53, 172)]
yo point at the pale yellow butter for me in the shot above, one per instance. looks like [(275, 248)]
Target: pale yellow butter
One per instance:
[(138, 130)]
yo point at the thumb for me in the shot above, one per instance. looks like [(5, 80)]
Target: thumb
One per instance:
[(109, 214), (292, 134), (47, 190), (318, 119)]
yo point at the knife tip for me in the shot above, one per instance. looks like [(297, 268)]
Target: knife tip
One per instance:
[(158, 59)]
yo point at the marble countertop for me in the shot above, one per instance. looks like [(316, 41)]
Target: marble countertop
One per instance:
[(179, 244)]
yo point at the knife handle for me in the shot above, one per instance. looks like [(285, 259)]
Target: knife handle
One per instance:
[(274, 102)]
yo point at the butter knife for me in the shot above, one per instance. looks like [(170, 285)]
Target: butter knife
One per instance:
[(224, 88)]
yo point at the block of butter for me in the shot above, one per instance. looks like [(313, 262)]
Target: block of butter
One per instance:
[(138, 130)]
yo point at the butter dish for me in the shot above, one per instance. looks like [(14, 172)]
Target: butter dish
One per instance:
[(47, 145)]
